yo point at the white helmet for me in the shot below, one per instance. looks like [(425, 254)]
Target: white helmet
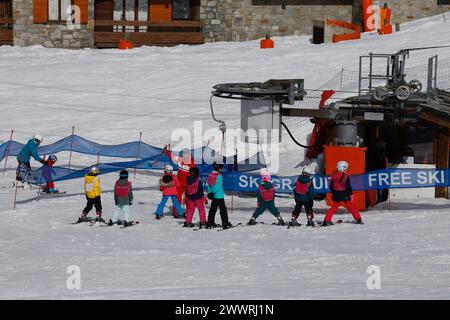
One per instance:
[(38, 138), (342, 166), (309, 170), (168, 168)]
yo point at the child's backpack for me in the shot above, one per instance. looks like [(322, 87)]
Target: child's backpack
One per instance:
[(122, 191), (302, 188), (193, 188), (167, 178), (339, 179), (267, 195), (212, 178)]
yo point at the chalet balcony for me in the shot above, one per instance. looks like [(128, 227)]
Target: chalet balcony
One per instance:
[(147, 23)]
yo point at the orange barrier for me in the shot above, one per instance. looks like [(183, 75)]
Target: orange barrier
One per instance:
[(356, 158), (356, 34), (267, 44), (368, 18), (385, 21), (125, 44)]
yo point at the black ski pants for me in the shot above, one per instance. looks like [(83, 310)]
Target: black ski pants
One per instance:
[(215, 204), (91, 202), (298, 208)]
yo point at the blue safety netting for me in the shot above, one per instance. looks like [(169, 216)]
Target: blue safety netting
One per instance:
[(149, 157), (80, 145)]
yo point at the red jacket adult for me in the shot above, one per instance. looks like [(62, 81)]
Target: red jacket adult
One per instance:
[(183, 167)]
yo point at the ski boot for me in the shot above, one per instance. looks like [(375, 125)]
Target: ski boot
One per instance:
[(158, 216), (99, 218), (326, 223), (310, 222), (188, 225), (280, 221), (252, 222), (359, 221), (127, 224), (203, 225), (211, 225), (110, 223), (227, 225), (83, 218), (294, 223)]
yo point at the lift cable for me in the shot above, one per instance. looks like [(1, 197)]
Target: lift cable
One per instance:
[(292, 137)]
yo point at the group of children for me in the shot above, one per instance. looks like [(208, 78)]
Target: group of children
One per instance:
[(341, 190), (188, 185)]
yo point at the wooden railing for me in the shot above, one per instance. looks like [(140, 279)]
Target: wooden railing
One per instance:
[(6, 21), (174, 24), (156, 33)]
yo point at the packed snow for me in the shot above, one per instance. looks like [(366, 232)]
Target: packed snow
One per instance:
[(110, 96)]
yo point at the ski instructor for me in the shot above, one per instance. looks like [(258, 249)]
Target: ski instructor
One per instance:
[(184, 163), (23, 172)]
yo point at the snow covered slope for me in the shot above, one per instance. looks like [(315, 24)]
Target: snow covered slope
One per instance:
[(110, 96)]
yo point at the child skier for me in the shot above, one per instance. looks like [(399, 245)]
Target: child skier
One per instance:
[(266, 200), (47, 173), (342, 194), (217, 196), (168, 184), (195, 198), (93, 192), (304, 197), (123, 198)]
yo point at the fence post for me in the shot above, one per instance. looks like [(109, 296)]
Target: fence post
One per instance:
[(15, 194), (235, 163), (7, 151), (71, 145), (40, 179), (138, 152)]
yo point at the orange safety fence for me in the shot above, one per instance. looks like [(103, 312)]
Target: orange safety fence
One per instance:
[(356, 34)]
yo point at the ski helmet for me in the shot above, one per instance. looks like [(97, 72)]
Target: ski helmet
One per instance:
[(123, 174), (194, 171), (218, 164), (308, 170), (342, 166), (38, 138), (53, 158), (168, 168), (95, 170)]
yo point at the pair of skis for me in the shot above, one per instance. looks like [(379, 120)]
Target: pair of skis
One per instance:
[(92, 222)]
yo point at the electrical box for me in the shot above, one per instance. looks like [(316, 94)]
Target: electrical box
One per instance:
[(181, 9), (261, 121)]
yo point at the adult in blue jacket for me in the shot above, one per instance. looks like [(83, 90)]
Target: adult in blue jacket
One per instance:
[(29, 150)]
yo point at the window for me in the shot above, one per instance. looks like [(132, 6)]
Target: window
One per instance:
[(57, 10)]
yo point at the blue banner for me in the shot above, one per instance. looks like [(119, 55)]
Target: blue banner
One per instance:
[(381, 179)]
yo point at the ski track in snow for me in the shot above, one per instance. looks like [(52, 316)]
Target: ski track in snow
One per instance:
[(110, 96)]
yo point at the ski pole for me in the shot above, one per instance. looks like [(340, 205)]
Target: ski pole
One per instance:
[(138, 151)]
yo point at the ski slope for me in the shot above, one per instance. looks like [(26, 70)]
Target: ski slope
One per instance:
[(110, 96)]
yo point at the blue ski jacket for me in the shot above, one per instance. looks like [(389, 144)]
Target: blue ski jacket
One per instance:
[(28, 151)]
